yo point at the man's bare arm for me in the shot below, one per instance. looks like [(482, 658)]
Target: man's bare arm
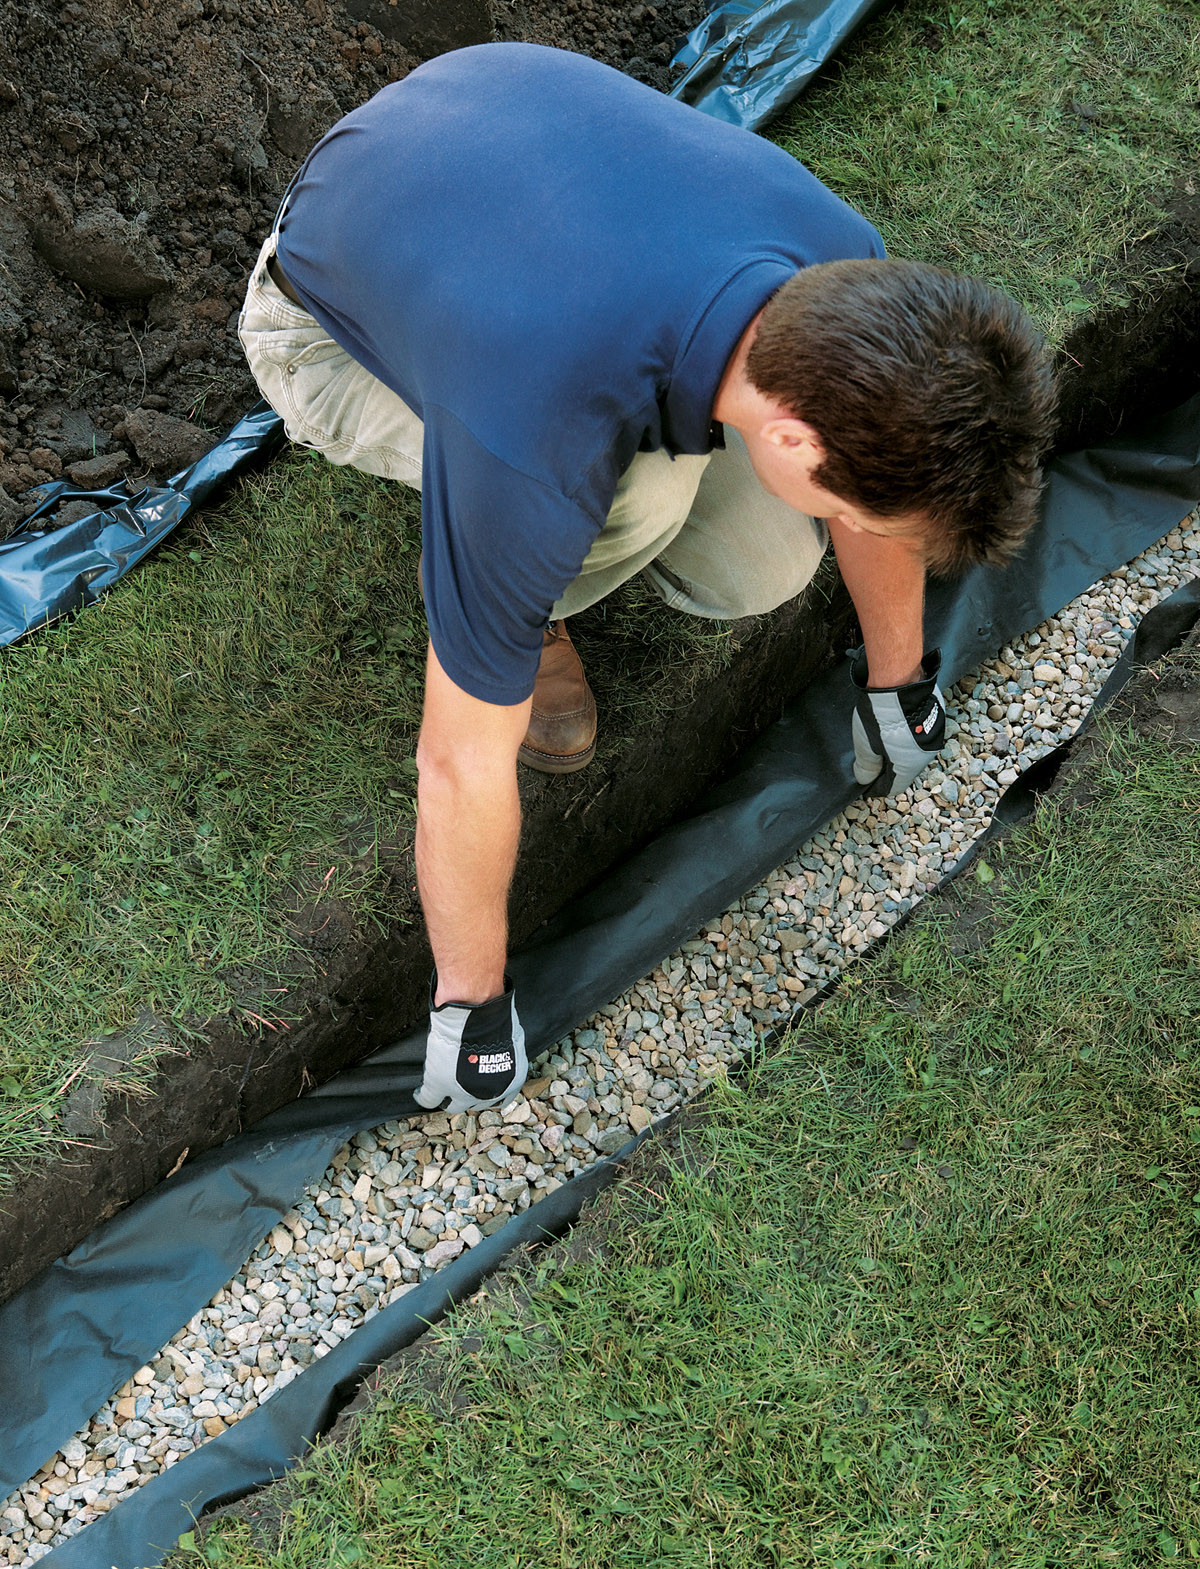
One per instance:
[(886, 580), (468, 825), (899, 720)]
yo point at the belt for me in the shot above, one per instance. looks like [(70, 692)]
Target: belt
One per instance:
[(280, 280)]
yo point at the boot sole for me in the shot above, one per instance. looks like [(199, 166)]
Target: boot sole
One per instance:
[(547, 763)]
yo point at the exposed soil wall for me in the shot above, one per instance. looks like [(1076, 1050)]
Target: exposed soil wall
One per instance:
[(367, 990), (1141, 359)]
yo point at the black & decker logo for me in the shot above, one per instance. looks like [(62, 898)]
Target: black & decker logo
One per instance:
[(492, 1061)]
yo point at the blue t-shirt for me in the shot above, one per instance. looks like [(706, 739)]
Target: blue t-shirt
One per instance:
[(551, 264)]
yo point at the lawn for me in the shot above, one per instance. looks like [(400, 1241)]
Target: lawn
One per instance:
[(1038, 145), (920, 1288)]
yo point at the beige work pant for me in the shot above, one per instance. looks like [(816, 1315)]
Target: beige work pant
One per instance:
[(705, 533)]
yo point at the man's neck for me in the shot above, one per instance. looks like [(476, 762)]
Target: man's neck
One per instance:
[(738, 402)]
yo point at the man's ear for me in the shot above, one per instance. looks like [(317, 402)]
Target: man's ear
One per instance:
[(794, 436), (850, 524)]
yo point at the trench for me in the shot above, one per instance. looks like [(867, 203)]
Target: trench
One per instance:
[(575, 828), (1129, 362)]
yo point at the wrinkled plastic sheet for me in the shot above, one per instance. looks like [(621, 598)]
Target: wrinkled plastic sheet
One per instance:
[(109, 1306), (744, 63), (49, 570)]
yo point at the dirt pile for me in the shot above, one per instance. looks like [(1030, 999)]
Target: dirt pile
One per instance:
[(638, 39), (143, 151)]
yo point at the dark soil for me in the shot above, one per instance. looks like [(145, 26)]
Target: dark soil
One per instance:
[(1138, 360), (143, 151), (638, 39)]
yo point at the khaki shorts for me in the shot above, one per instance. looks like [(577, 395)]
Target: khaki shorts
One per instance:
[(703, 530)]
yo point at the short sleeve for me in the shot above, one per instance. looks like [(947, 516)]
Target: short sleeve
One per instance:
[(499, 549)]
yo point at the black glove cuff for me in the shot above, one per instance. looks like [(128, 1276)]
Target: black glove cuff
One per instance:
[(931, 664), (504, 997)]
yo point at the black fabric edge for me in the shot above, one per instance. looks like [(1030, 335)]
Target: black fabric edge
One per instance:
[(259, 1449)]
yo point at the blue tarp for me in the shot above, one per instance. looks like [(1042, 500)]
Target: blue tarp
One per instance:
[(744, 63), (49, 570)]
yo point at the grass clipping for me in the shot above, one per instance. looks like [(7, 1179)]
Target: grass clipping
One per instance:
[(923, 1290)]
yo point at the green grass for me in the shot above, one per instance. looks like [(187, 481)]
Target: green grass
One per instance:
[(924, 1289), (1035, 144), (225, 730)]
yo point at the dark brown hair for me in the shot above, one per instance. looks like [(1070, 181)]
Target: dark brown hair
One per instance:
[(932, 394)]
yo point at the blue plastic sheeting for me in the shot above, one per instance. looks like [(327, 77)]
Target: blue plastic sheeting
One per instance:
[(49, 571), (744, 63)]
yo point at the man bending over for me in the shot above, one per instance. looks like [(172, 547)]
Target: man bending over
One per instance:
[(605, 334)]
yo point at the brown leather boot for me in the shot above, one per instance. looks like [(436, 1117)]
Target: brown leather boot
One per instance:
[(562, 727)]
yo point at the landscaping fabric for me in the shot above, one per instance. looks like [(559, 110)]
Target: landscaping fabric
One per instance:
[(258, 1449), (744, 63), (916, 1285), (111, 1304)]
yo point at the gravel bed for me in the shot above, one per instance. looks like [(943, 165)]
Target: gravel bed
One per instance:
[(403, 1199)]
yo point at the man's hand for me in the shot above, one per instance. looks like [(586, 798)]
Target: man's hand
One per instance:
[(475, 1055), (896, 729), (900, 719)]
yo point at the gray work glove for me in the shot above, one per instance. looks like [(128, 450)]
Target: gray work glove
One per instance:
[(896, 729), (475, 1054)]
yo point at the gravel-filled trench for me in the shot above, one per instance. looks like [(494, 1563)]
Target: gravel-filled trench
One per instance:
[(399, 1201), (167, 134)]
